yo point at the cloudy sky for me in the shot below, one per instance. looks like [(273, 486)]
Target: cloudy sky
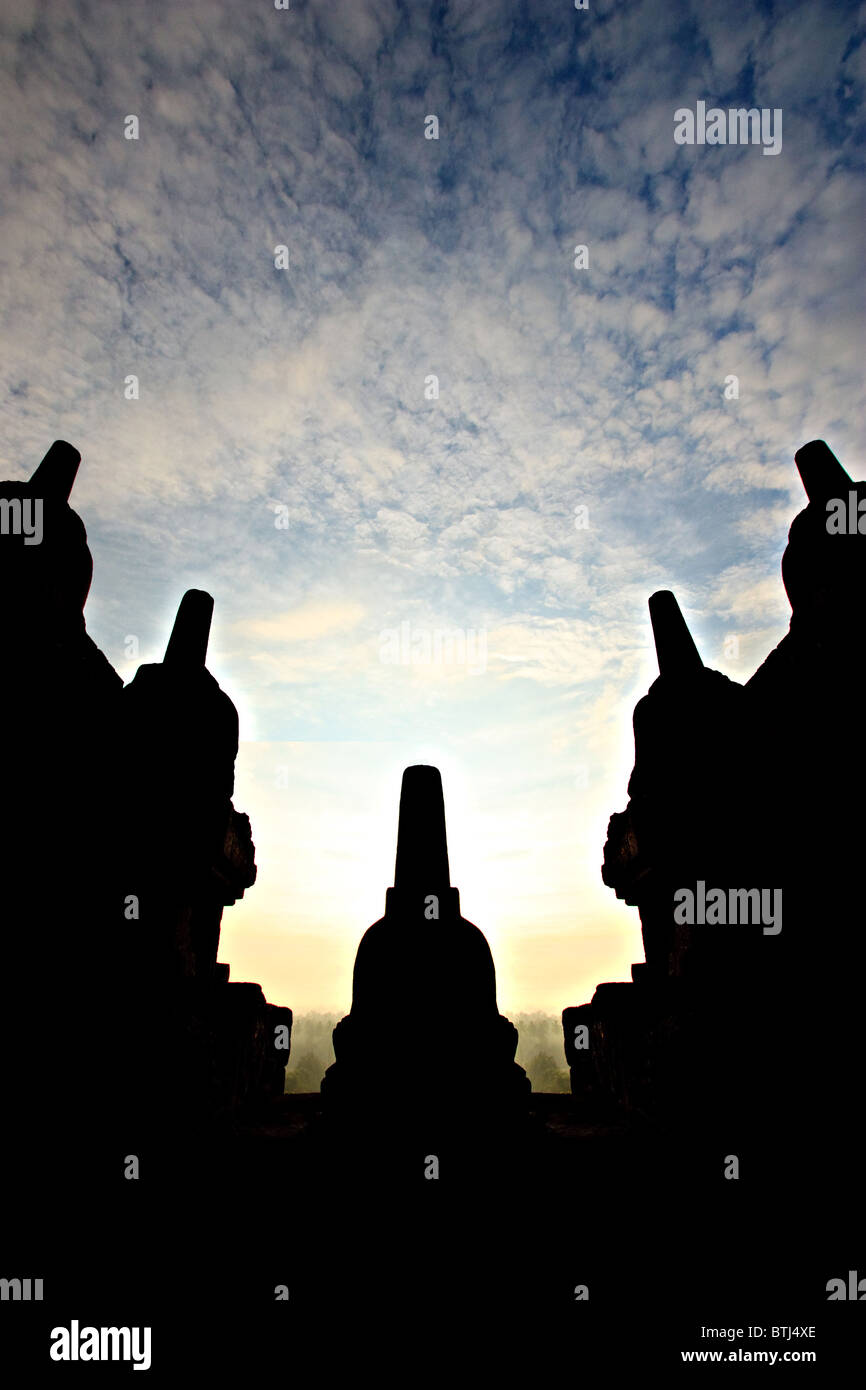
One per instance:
[(287, 450)]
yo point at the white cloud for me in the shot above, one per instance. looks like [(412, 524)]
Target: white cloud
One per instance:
[(409, 257)]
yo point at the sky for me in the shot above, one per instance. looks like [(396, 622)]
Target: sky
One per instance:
[(290, 452)]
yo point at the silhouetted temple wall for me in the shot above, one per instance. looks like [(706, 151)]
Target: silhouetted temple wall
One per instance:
[(745, 1025), (121, 848)]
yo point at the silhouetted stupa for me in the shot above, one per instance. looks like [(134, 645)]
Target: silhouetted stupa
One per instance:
[(750, 798), (428, 970), (121, 848)]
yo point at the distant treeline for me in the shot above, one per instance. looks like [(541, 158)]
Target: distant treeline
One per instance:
[(539, 1051)]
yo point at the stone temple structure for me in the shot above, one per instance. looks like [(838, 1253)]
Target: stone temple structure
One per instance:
[(213, 1045), (121, 848), (738, 846), (427, 966)]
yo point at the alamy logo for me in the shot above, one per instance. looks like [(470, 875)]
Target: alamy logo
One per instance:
[(22, 517), (405, 646), (21, 1290), (737, 126), (856, 1289), (846, 518), (101, 1344), (736, 907)]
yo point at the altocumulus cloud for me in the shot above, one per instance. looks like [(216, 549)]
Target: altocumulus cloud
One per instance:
[(304, 389)]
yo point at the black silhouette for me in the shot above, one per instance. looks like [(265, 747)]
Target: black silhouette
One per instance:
[(425, 960), (121, 1034), (212, 1046), (122, 848), (736, 1027), (59, 699)]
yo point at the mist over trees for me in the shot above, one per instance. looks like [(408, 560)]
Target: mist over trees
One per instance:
[(312, 1051), (539, 1051)]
